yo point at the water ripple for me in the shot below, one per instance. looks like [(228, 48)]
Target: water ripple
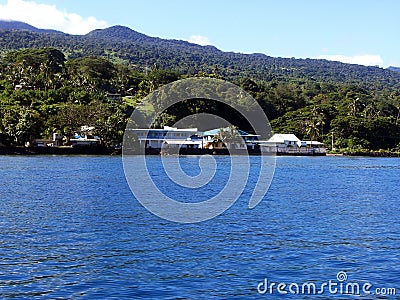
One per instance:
[(70, 229)]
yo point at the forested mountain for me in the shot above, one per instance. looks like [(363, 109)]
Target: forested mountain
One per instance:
[(121, 43), (56, 82), (17, 25)]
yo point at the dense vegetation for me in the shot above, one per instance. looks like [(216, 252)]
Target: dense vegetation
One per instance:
[(121, 44), (71, 83)]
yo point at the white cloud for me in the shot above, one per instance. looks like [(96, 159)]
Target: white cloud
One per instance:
[(199, 40), (366, 59), (48, 17)]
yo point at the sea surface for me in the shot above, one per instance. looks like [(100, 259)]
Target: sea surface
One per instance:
[(70, 228)]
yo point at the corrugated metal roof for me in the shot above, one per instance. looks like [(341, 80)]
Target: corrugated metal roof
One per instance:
[(281, 138), (227, 129)]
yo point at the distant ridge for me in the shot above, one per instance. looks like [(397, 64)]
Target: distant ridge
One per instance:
[(17, 25), (126, 34), (395, 69)]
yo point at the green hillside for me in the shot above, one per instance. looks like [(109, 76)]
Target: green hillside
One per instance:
[(311, 98), (121, 43)]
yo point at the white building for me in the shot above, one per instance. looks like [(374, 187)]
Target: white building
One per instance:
[(171, 137), (291, 144), (85, 137), (168, 137)]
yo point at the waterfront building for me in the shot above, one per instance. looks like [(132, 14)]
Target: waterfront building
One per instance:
[(290, 144), (192, 141), (168, 137)]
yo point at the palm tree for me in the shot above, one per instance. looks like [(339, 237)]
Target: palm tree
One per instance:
[(228, 136), (315, 125)]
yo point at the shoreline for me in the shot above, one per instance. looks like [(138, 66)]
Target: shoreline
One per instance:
[(27, 151), (366, 154), (99, 150)]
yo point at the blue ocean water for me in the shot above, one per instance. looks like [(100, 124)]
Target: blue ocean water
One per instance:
[(70, 228)]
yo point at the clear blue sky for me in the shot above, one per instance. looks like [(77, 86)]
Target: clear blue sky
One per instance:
[(362, 31)]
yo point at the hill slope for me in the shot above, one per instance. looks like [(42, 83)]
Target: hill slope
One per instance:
[(40, 92), (124, 44)]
